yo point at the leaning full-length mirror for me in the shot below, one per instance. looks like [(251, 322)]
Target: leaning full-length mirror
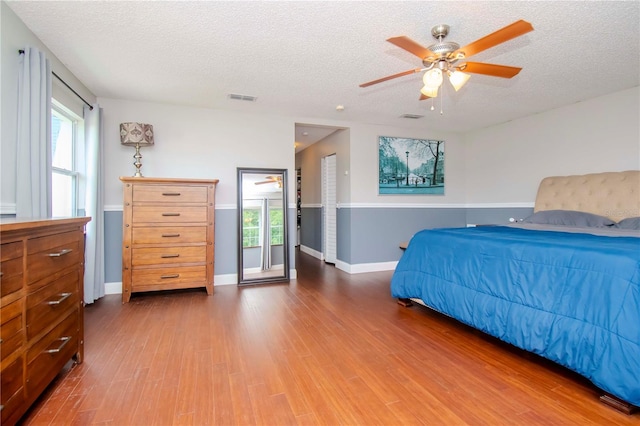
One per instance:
[(263, 243)]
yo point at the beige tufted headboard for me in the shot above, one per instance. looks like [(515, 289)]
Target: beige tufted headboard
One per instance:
[(615, 195)]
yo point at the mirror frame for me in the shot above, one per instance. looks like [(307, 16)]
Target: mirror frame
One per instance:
[(242, 280)]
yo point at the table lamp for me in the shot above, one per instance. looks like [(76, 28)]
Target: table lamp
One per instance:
[(136, 134)]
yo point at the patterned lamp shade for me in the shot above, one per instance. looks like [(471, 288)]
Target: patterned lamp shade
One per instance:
[(136, 134)]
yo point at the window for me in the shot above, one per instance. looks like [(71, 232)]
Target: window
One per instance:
[(277, 226), (251, 226), (64, 179)]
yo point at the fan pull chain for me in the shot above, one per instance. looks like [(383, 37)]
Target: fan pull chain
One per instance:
[(432, 107)]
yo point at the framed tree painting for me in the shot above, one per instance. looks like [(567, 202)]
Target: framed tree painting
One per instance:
[(410, 166)]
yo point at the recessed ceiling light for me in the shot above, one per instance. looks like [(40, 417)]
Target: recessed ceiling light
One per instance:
[(340, 108), (305, 133)]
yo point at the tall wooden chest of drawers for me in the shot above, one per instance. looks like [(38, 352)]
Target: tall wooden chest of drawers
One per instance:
[(168, 234), (41, 306)]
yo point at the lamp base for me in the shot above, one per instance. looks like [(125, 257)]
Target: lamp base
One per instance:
[(137, 156)]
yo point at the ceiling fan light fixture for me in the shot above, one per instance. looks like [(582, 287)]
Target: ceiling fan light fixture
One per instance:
[(431, 92), (442, 56), (432, 78), (458, 79)]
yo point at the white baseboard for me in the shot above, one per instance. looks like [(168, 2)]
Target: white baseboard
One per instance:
[(311, 252), (360, 268), (226, 279), (357, 268), (113, 288), (218, 280)]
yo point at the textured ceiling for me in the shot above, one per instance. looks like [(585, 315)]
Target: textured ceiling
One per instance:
[(302, 59)]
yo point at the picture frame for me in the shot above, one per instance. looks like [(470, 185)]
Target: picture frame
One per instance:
[(408, 166)]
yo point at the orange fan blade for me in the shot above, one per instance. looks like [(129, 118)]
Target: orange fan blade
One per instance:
[(411, 46), (389, 77), (489, 69), (423, 97), (514, 30)]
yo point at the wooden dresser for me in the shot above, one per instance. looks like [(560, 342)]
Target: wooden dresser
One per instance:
[(41, 306), (168, 234)]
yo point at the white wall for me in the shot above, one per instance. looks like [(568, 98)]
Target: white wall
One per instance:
[(195, 143), (205, 143), (505, 163), (15, 36)]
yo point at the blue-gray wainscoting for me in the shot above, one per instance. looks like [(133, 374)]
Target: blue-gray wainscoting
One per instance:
[(371, 235), (113, 246), (311, 228), (364, 235), (376, 233), (497, 216)]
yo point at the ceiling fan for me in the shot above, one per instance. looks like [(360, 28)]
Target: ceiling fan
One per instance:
[(442, 57), (271, 179)]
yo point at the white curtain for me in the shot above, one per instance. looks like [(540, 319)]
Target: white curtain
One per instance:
[(33, 151), (265, 236), (94, 246)]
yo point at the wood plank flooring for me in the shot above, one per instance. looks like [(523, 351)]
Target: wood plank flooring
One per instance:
[(328, 348)]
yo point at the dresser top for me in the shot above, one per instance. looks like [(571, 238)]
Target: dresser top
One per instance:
[(13, 223), (130, 179)]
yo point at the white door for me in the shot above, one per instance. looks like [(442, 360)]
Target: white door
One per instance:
[(329, 209)]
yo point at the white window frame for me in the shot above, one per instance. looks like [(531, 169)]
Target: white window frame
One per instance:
[(75, 173)]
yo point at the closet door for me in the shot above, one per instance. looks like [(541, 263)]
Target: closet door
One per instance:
[(329, 209)]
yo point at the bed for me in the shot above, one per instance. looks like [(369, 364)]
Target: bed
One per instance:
[(564, 284)]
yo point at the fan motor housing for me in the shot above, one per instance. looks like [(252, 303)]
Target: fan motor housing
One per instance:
[(444, 48)]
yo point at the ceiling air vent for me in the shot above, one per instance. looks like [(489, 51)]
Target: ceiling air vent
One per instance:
[(411, 116), (242, 97)]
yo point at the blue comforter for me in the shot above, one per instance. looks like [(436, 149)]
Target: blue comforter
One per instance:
[(570, 297)]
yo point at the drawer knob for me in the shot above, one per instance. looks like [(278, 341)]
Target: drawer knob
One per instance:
[(168, 256), (170, 214), (171, 194), (170, 235), (64, 341), (168, 276), (63, 296), (60, 253)]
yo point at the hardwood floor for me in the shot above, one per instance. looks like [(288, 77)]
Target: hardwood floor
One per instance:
[(328, 348)]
